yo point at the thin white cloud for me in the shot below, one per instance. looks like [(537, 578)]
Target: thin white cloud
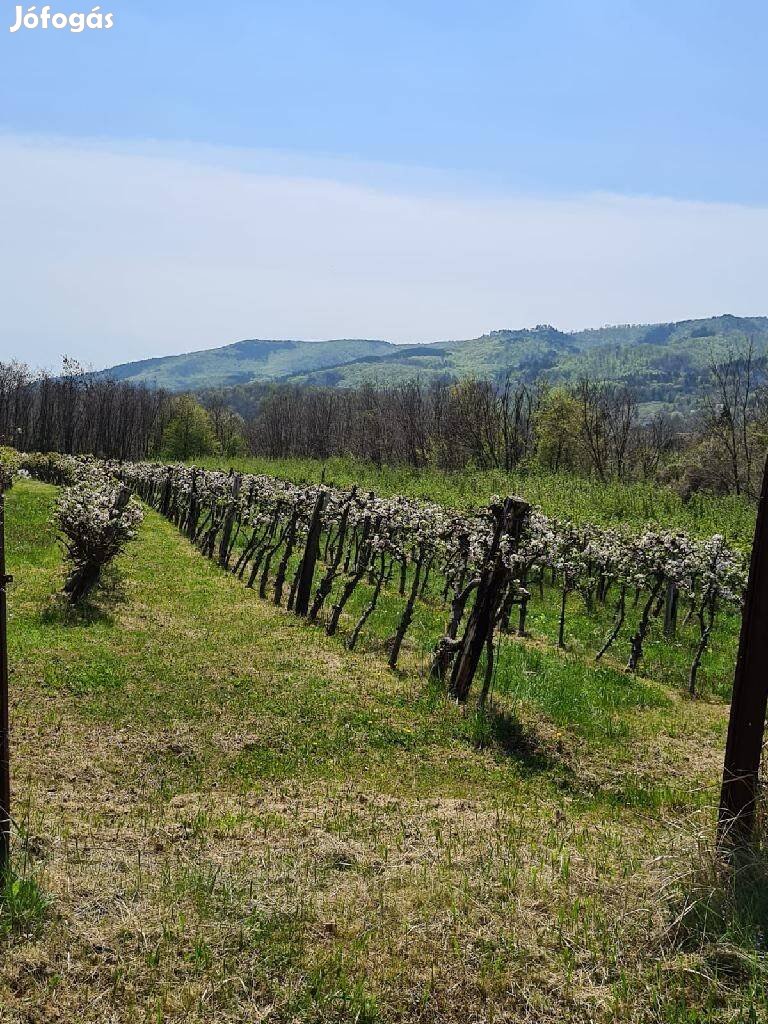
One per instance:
[(111, 254)]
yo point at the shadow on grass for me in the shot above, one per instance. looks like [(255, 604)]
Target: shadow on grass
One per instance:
[(497, 729), (97, 607), (492, 728)]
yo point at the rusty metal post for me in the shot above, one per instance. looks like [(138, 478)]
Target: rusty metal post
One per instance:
[(750, 695), (5, 741)]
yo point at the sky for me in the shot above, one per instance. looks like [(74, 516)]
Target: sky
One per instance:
[(202, 173)]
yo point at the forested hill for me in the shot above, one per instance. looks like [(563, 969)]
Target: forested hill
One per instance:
[(245, 362), (664, 362)]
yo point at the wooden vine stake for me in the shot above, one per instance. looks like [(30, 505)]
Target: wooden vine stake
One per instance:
[(750, 694), (309, 559), (236, 482), (5, 739), (510, 518)]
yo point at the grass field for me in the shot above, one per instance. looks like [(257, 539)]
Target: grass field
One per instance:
[(234, 819)]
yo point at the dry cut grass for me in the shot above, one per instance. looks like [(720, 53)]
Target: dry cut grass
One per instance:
[(234, 819)]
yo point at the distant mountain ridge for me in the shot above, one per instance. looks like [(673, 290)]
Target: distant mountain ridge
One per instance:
[(664, 361), (243, 362)]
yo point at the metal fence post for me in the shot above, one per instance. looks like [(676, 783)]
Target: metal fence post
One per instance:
[(5, 744), (750, 694)]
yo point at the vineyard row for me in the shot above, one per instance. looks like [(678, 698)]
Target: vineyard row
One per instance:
[(311, 546)]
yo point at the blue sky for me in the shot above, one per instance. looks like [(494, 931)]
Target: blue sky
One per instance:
[(448, 107)]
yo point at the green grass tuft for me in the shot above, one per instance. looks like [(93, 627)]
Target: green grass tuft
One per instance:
[(23, 906)]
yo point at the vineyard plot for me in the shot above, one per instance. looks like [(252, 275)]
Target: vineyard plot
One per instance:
[(402, 575)]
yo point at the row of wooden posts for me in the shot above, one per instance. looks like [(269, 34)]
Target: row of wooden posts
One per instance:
[(740, 785), (456, 659)]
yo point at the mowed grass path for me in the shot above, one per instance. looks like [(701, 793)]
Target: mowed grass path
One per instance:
[(238, 820)]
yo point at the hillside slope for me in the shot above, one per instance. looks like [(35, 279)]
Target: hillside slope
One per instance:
[(664, 363), (243, 362)]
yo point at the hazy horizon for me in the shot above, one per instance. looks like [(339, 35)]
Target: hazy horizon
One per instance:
[(405, 344)]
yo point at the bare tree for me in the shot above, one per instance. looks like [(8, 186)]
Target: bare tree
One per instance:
[(733, 404), (650, 444), (608, 415), (78, 412)]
